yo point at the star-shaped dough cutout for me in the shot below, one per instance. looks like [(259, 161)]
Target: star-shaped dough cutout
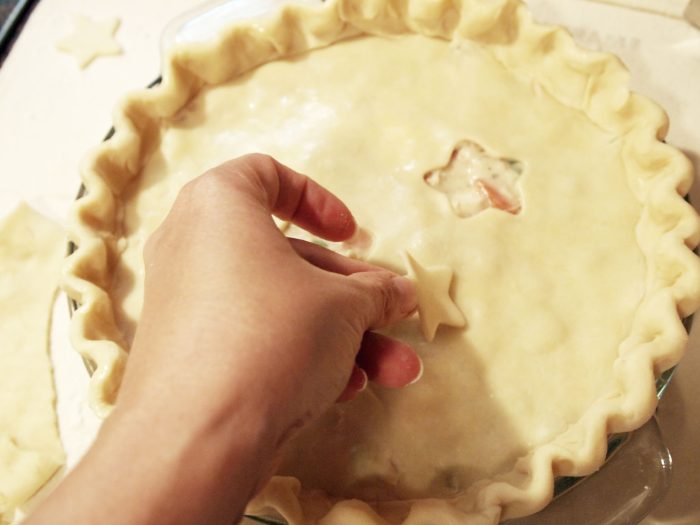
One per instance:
[(435, 306), (91, 39)]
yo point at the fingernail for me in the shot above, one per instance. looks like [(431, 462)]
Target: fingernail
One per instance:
[(365, 380), (408, 299), (420, 372), (357, 382), (349, 225)]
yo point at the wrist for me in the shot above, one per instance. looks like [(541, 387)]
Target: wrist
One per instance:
[(147, 467), (191, 465)]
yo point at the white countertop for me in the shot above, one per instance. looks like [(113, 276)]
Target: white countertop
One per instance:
[(51, 112)]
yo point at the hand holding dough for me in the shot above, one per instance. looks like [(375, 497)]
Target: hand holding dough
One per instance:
[(245, 337)]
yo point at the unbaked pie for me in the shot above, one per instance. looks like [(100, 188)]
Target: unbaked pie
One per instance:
[(461, 134)]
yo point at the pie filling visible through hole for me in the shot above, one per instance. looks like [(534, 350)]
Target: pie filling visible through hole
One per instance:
[(473, 181)]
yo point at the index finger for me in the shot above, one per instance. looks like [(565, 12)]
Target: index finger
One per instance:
[(291, 196)]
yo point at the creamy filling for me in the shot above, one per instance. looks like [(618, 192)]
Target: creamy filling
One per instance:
[(473, 181)]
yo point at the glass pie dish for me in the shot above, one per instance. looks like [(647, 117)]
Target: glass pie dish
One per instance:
[(563, 484), (634, 479)]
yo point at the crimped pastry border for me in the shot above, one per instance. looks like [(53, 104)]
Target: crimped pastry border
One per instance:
[(595, 83)]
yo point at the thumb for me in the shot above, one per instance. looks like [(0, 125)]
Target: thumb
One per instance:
[(382, 297)]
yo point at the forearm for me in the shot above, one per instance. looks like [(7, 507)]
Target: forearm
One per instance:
[(244, 337), (147, 468)]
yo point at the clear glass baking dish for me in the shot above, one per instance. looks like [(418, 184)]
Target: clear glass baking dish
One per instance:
[(638, 467), (633, 480)]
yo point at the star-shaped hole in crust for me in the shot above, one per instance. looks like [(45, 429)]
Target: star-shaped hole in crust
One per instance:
[(91, 39), (435, 306), (473, 180)]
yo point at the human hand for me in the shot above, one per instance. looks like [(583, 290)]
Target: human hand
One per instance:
[(244, 337), (230, 301)]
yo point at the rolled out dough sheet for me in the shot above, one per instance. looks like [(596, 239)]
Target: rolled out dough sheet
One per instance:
[(31, 251)]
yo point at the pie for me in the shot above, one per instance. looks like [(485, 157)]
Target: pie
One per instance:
[(463, 136)]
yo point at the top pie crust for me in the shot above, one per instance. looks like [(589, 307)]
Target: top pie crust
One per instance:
[(572, 306)]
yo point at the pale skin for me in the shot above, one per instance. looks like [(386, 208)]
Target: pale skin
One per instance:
[(245, 337)]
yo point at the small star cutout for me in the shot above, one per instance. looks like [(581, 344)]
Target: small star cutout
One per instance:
[(435, 306), (91, 39)]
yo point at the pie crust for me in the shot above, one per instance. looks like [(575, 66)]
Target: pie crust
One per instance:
[(589, 281)]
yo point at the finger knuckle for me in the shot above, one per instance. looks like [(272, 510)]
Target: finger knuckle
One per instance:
[(383, 297)]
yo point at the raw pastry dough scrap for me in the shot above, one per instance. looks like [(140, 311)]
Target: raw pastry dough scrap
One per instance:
[(435, 306), (31, 253), (554, 355), (91, 39)]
